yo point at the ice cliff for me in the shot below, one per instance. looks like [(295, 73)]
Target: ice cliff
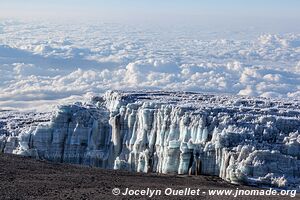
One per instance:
[(240, 139)]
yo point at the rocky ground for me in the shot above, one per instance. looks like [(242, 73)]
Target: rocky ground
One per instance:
[(26, 178)]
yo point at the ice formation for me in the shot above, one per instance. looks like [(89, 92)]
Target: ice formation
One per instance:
[(240, 139)]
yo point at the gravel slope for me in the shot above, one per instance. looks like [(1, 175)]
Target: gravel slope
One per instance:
[(25, 178)]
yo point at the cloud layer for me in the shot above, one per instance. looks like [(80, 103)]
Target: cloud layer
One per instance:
[(52, 62)]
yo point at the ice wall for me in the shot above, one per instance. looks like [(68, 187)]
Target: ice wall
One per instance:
[(242, 140)]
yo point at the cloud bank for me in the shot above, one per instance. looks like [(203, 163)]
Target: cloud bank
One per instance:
[(52, 62)]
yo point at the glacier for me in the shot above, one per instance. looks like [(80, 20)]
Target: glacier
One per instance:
[(243, 140)]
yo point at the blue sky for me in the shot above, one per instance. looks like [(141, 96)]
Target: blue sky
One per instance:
[(168, 10)]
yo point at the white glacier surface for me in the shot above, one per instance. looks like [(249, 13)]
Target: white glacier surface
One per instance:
[(248, 140)]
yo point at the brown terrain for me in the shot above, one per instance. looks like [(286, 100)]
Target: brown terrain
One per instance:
[(26, 178)]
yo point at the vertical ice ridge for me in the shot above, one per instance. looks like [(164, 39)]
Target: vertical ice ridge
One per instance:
[(176, 133)]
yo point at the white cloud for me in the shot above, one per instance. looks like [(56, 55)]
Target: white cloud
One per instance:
[(248, 91), (54, 62)]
